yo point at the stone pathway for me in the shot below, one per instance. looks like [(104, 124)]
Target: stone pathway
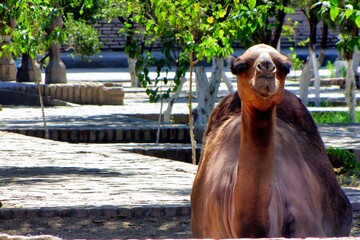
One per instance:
[(47, 176)]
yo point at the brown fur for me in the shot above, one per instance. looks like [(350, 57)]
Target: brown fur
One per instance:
[(303, 199)]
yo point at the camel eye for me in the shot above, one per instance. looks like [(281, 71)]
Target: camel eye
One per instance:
[(285, 67)]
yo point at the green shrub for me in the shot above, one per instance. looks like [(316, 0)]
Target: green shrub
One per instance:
[(327, 117), (83, 38), (346, 167), (331, 68), (344, 159)]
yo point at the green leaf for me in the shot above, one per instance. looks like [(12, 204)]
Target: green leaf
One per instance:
[(334, 2), (357, 21), (334, 12), (252, 4), (348, 12)]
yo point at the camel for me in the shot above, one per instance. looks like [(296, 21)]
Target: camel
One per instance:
[(263, 170)]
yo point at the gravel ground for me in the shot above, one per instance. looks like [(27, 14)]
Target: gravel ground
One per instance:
[(100, 228), (125, 228)]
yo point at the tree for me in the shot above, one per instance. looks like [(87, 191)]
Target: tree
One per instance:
[(310, 68), (206, 30), (30, 38), (270, 32), (55, 71), (346, 14), (35, 31), (132, 14)]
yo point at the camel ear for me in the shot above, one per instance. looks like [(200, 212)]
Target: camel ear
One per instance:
[(236, 65)]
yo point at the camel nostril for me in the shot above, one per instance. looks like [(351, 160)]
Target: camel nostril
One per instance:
[(273, 68), (266, 66), (259, 67)]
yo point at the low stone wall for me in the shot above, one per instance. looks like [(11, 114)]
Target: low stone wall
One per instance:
[(79, 93), (86, 93), (330, 81)]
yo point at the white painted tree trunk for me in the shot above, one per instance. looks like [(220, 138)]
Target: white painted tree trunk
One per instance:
[(132, 70), (356, 58), (202, 89), (167, 112), (207, 90), (227, 82), (350, 93), (216, 76), (316, 76), (306, 75)]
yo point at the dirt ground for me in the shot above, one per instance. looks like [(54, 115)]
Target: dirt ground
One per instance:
[(70, 228), (100, 228)]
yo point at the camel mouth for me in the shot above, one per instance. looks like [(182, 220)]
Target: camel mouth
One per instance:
[(264, 94), (265, 86), (268, 77)]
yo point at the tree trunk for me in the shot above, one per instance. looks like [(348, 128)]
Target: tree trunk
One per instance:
[(316, 76), (306, 75), (7, 64), (207, 91), (356, 60), (28, 71), (167, 112), (227, 82), (311, 67), (218, 73), (203, 90), (191, 119), (132, 70), (55, 71), (350, 93), (215, 80)]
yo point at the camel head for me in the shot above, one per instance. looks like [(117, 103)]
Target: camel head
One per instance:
[(261, 73)]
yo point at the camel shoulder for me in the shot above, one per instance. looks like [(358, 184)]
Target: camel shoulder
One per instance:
[(291, 110), (229, 106)]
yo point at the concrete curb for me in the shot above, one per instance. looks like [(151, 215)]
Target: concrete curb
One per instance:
[(102, 211), (170, 134)]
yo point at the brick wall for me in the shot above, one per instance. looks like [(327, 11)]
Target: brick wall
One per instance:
[(302, 31), (112, 40), (110, 37)]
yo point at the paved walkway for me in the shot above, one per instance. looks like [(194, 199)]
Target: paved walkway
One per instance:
[(57, 178), (48, 178)]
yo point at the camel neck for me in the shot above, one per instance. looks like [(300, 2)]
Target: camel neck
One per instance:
[(257, 129), (252, 191)]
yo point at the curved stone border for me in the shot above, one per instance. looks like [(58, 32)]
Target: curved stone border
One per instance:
[(103, 211), (111, 135), (79, 93)]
